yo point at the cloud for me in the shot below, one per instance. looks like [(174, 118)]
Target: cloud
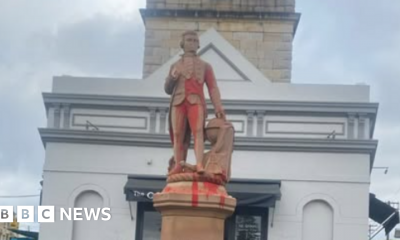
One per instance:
[(44, 38), (101, 46), (346, 42)]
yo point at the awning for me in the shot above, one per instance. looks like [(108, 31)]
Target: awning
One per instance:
[(254, 193), (30, 235), (380, 212)]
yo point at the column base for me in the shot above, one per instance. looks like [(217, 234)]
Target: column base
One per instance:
[(193, 210)]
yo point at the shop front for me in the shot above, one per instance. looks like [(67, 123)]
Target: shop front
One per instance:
[(254, 212)]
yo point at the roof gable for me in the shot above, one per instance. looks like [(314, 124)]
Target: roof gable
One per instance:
[(228, 63)]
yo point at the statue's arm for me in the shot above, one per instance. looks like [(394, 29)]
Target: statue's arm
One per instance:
[(213, 91), (170, 83)]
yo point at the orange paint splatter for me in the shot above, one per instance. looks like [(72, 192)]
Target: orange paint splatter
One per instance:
[(195, 192), (167, 189), (222, 201), (211, 188)]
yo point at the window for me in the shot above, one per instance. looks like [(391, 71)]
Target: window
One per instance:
[(148, 224), (317, 221), (246, 223)]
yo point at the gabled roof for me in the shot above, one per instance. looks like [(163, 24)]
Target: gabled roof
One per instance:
[(228, 63)]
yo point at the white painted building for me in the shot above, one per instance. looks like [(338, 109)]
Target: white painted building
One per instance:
[(309, 146)]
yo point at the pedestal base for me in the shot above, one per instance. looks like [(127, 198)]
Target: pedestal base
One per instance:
[(193, 210)]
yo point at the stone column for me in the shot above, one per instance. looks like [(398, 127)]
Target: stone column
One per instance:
[(260, 123), (363, 126), (66, 115), (351, 120), (250, 123), (163, 120), (153, 119), (193, 210), (57, 116)]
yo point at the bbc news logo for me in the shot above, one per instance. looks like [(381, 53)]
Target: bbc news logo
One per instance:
[(47, 214)]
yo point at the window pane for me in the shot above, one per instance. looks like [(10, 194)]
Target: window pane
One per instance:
[(152, 226), (248, 227)]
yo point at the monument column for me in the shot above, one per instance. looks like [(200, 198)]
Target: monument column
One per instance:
[(194, 204), (195, 209)]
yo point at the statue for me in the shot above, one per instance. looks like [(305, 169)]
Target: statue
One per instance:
[(194, 203), (188, 109), (217, 161)]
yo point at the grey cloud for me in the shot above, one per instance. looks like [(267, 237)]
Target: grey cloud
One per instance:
[(102, 45), (357, 41), (32, 52), (353, 32), (346, 42)]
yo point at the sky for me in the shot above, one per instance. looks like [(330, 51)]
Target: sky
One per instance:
[(337, 42)]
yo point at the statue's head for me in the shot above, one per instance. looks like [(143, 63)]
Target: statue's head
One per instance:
[(190, 41)]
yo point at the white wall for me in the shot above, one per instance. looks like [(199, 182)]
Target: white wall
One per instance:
[(62, 189), (251, 123), (110, 120), (341, 180), (245, 90), (349, 203), (318, 221)]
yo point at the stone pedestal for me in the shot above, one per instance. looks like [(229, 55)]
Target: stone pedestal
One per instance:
[(193, 210)]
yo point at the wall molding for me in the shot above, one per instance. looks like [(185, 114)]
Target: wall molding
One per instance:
[(268, 122), (242, 124), (144, 103), (319, 197), (115, 126), (355, 146), (204, 13)]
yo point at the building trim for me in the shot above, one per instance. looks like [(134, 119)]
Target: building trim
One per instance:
[(356, 146), (242, 123), (144, 127), (226, 59), (57, 115), (244, 15), (135, 103), (250, 123), (69, 171), (341, 133), (67, 115)]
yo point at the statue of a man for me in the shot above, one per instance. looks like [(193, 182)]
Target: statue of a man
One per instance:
[(188, 107)]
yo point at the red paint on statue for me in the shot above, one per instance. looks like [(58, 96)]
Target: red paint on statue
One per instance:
[(195, 192), (211, 188), (167, 189), (222, 201)]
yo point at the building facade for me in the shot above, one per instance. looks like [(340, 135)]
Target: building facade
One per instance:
[(5, 233), (306, 150)]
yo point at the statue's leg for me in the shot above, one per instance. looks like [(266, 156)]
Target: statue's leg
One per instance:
[(178, 119), (196, 122)]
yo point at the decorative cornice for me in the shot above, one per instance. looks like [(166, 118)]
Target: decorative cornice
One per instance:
[(133, 102), (192, 13), (241, 143)]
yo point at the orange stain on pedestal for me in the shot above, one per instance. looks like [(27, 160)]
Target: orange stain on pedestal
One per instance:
[(167, 189), (222, 201), (195, 194), (213, 190)]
